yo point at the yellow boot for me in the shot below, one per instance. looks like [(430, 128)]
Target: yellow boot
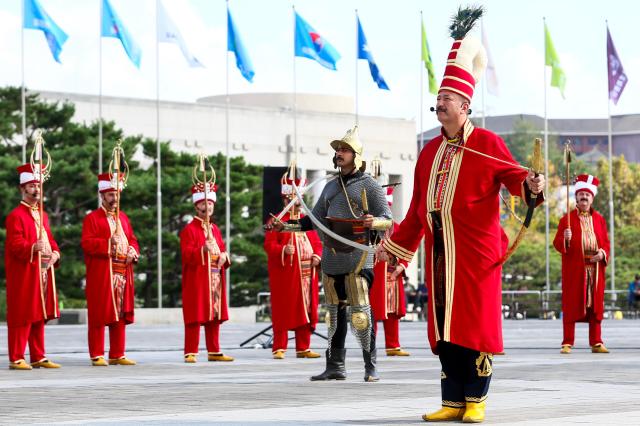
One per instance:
[(474, 412), (219, 357), (307, 354), (599, 349), (397, 352), (19, 364), (121, 361), (445, 414), (190, 358), (565, 349), (278, 354), (99, 361), (45, 363)]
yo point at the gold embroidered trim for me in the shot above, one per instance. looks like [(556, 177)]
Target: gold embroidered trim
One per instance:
[(483, 364), (475, 399), (398, 251), (452, 404)]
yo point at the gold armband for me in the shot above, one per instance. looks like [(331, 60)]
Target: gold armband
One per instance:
[(292, 227), (381, 224)]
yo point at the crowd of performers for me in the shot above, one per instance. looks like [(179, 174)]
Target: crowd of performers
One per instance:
[(348, 242)]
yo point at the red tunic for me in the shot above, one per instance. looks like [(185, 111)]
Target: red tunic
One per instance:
[(384, 299), (574, 279), (101, 298), (198, 303), (27, 302), (288, 307), (474, 241)]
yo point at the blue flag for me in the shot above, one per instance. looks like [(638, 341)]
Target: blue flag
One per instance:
[(309, 44), (112, 27), (36, 18), (365, 53), (234, 44)]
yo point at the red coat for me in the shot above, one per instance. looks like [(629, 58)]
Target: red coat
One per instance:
[(101, 303), (25, 302), (378, 294), (574, 281), (196, 293), (288, 310), (473, 238)]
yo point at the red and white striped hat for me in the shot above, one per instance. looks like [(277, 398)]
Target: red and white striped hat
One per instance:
[(107, 182), (286, 186), (467, 58), (587, 183), (197, 192), (27, 175), (390, 194)]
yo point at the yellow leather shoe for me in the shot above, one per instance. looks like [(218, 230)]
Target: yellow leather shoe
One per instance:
[(599, 349), (397, 352), (190, 359), (121, 361), (219, 357), (474, 412), (45, 363), (19, 364), (99, 361), (307, 354), (565, 349), (278, 354), (445, 414)]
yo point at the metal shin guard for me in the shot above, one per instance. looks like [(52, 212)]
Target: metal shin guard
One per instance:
[(361, 325), (332, 325)]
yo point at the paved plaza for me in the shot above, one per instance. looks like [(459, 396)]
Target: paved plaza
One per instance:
[(532, 383)]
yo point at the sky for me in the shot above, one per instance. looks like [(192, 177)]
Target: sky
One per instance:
[(514, 30)]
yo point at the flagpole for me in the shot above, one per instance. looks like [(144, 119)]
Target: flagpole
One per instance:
[(484, 83), (23, 93), (421, 259), (100, 92), (546, 169), (612, 257), (356, 65), (295, 94), (227, 171), (158, 159)]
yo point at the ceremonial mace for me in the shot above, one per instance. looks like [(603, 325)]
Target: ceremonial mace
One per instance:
[(41, 171), (115, 165), (567, 161), (201, 167), (295, 215)]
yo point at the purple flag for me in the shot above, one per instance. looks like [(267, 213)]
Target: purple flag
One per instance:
[(617, 77)]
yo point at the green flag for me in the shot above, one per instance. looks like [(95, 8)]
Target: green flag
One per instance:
[(426, 58), (558, 78)]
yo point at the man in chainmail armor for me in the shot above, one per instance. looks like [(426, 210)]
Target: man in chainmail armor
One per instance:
[(353, 206)]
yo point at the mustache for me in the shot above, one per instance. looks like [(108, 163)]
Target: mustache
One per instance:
[(441, 109)]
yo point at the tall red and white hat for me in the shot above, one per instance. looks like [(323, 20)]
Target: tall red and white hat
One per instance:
[(587, 183), (198, 192), (286, 186), (107, 182), (467, 58), (27, 174)]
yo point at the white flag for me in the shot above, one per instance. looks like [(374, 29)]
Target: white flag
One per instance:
[(491, 79), (168, 33)]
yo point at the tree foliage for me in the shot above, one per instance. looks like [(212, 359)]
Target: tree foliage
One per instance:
[(71, 193)]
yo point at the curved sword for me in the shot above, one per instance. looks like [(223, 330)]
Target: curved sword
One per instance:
[(326, 230)]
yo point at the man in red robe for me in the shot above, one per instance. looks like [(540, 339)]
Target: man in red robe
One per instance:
[(293, 259), (387, 296), (584, 259), (30, 256), (455, 206), (110, 250), (204, 263)]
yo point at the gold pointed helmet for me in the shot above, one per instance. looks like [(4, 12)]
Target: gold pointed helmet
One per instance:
[(351, 140)]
